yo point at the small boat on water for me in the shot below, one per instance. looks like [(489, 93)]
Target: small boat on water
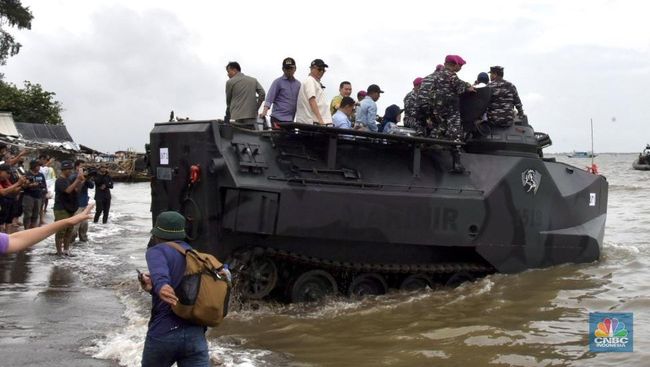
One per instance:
[(575, 154), (642, 163), (589, 154)]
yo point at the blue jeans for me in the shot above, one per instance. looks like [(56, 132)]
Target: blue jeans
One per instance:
[(186, 345)]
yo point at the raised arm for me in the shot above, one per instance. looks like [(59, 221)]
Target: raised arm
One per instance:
[(21, 240), (11, 161), (16, 187), (76, 183)]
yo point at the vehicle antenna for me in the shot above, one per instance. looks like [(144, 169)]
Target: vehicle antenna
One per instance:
[(591, 121)]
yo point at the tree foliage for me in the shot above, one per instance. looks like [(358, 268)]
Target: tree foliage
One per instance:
[(12, 14), (30, 104)]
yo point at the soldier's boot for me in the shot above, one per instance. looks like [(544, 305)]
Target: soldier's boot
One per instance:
[(456, 165)]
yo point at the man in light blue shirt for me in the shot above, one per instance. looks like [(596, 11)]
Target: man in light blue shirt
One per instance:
[(367, 113), (341, 118)]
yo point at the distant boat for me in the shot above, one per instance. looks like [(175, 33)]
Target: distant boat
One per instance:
[(589, 154), (642, 163), (575, 154)]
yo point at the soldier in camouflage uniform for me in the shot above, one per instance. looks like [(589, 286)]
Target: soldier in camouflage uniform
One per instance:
[(438, 100), (504, 100), (424, 105), (410, 105)]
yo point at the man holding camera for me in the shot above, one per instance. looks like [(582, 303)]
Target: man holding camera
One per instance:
[(8, 190), (66, 204), (33, 195), (104, 184), (81, 229)]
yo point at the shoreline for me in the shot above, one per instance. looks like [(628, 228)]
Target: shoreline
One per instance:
[(48, 315)]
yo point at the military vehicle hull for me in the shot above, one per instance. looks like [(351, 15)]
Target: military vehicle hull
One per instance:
[(303, 211), (642, 162)]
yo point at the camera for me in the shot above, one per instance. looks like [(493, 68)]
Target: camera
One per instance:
[(90, 172)]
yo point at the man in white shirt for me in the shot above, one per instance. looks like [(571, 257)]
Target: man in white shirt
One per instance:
[(50, 177), (313, 107)]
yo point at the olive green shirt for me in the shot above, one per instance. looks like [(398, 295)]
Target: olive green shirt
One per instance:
[(244, 96)]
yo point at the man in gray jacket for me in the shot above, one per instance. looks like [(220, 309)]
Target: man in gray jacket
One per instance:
[(244, 96)]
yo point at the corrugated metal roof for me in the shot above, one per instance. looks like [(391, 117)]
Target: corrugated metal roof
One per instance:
[(44, 133), (7, 126)]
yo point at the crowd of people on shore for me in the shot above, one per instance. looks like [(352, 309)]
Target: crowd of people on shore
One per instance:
[(431, 107), (26, 193)]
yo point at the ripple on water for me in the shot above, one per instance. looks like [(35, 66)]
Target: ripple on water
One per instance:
[(535, 318)]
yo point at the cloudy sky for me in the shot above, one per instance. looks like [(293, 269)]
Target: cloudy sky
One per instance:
[(120, 66)]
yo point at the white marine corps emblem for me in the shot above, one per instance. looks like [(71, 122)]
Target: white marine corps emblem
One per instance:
[(531, 179)]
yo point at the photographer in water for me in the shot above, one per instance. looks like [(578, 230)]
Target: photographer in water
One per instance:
[(8, 190), (81, 228), (103, 186), (66, 204), (33, 195), (17, 172)]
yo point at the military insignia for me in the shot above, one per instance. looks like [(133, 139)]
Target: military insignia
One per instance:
[(531, 179)]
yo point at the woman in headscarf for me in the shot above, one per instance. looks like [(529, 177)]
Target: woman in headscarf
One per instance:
[(392, 116)]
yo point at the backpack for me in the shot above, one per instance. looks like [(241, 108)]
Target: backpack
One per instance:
[(203, 293)]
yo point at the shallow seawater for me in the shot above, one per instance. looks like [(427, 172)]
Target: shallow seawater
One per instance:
[(535, 318)]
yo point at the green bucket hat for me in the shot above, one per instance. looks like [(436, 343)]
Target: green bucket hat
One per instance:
[(169, 226)]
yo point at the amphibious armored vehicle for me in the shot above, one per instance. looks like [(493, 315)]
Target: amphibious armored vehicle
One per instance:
[(301, 211)]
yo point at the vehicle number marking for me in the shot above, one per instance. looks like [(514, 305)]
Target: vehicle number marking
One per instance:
[(164, 155)]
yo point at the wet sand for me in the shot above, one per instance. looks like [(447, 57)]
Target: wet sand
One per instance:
[(47, 315)]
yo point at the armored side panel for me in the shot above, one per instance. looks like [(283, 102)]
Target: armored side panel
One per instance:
[(374, 200), (174, 148)]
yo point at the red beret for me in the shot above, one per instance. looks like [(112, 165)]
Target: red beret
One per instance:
[(455, 59)]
